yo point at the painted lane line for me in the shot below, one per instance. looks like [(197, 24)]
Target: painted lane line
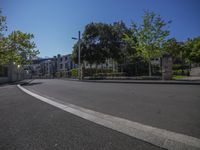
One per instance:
[(159, 137)]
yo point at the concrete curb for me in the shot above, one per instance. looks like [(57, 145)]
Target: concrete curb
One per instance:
[(140, 81), (159, 137)]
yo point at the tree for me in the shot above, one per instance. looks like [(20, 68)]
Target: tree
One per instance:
[(84, 55), (193, 49), (151, 35), (102, 41), (18, 47), (118, 47), (3, 40), (3, 26), (173, 48), (92, 49)]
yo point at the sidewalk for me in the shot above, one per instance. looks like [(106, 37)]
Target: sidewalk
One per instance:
[(190, 78), (183, 81)]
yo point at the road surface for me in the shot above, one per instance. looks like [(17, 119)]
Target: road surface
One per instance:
[(172, 107), (29, 124)]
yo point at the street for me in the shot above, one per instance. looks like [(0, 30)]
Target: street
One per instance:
[(27, 123), (99, 75), (172, 107)]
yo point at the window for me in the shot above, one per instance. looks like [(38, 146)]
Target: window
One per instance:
[(66, 65)]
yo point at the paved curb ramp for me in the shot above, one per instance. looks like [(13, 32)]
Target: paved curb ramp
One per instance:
[(159, 137)]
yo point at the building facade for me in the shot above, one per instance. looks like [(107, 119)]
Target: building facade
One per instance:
[(52, 67)]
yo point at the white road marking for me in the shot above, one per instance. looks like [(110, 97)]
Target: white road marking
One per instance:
[(159, 137)]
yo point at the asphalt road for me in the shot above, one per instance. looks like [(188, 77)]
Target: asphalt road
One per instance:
[(172, 107), (29, 124)]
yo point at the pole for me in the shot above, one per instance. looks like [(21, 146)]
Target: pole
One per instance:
[(79, 54)]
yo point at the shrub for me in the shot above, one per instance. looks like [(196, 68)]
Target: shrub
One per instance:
[(181, 72), (93, 71), (57, 74), (74, 72)]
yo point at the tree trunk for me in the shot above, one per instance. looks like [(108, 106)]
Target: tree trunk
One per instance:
[(149, 68)]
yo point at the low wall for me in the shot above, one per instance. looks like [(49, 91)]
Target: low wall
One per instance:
[(3, 80)]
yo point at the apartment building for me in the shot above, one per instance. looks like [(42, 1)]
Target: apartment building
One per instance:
[(64, 62), (49, 67)]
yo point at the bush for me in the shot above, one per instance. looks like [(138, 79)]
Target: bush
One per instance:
[(181, 72), (74, 72), (94, 72), (180, 66), (113, 74), (58, 75)]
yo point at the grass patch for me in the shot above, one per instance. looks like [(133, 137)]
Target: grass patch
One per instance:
[(176, 77)]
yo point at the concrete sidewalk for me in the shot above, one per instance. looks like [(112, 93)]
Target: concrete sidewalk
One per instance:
[(183, 82), (191, 78)]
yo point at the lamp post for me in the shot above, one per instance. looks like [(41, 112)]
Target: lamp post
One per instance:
[(79, 52)]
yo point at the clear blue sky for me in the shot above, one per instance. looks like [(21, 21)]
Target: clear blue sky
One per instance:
[(54, 22)]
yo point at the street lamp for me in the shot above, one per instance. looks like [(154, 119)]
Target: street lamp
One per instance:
[(79, 53)]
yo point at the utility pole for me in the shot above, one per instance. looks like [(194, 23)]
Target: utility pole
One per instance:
[(79, 53)]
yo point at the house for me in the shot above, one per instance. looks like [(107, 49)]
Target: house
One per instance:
[(49, 67)]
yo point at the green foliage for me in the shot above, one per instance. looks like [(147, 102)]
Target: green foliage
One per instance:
[(95, 39), (183, 52), (151, 35), (17, 47), (92, 71), (181, 72), (192, 47), (101, 41), (176, 77), (3, 26), (74, 72), (148, 38), (85, 55), (113, 74), (173, 48), (4, 53)]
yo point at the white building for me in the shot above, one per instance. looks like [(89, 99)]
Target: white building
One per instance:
[(64, 62)]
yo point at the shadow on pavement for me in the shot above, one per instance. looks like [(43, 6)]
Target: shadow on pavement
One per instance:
[(31, 84)]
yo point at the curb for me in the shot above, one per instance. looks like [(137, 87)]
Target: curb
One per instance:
[(143, 82), (138, 81)]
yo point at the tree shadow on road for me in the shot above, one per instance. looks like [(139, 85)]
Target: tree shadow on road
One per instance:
[(31, 84)]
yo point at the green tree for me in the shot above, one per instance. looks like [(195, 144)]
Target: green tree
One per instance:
[(18, 47), (173, 48), (131, 42), (102, 41), (84, 54), (3, 40), (117, 46), (151, 35), (193, 49), (92, 49), (3, 26)]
